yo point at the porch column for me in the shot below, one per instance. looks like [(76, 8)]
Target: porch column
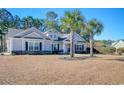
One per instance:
[(85, 47), (23, 44), (11, 46), (64, 48), (43, 45)]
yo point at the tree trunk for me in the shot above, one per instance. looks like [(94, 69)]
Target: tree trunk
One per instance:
[(4, 42), (1, 42), (91, 44), (72, 44)]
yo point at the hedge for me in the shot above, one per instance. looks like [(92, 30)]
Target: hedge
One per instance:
[(107, 50)]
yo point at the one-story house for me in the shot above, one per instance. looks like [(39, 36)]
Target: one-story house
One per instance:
[(118, 44), (34, 41)]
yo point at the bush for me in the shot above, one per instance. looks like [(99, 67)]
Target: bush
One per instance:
[(107, 50), (120, 50)]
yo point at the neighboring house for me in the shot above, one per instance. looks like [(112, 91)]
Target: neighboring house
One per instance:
[(118, 44), (33, 41)]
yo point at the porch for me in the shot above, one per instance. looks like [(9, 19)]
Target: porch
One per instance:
[(78, 48)]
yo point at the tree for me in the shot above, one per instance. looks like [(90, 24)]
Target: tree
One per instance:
[(17, 22), (85, 35), (3, 31), (107, 42), (51, 20), (93, 27), (38, 23), (5, 15), (6, 21), (72, 21), (27, 22), (51, 15)]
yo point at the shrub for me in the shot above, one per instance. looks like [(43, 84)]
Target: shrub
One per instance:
[(107, 50), (120, 50)]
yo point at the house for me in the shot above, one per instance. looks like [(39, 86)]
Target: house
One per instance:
[(118, 44), (33, 41)]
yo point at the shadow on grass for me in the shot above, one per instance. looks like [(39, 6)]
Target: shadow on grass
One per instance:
[(79, 58), (120, 59)]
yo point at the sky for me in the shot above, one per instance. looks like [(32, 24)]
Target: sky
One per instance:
[(112, 18)]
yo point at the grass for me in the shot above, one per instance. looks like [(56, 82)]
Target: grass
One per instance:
[(60, 69)]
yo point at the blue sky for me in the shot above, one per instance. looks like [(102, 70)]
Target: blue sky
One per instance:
[(112, 18)]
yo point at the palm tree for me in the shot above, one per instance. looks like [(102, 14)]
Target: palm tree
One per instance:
[(93, 27), (72, 21)]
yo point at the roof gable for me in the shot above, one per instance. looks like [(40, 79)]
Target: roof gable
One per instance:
[(51, 31), (118, 44), (12, 32), (77, 37), (31, 33)]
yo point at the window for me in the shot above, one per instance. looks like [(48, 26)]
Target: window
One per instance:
[(82, 47), (78, 47), (34, 46), (55, 47), (54, 36), (30, 46), (51, 36)]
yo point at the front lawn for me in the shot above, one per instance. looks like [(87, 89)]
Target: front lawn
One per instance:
[(60, 69)]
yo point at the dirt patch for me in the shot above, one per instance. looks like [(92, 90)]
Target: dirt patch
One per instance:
[(78, 58)]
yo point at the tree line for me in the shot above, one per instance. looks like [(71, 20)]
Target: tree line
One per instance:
[(71, 22)]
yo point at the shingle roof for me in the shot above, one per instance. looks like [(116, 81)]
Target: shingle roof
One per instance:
[(67, 37), (12, 32), (22, 33), (25, 32), (51, 30), (64, 37), (117, 42)]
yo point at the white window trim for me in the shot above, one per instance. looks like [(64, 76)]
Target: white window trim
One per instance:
[(79, 47), (34, 42)]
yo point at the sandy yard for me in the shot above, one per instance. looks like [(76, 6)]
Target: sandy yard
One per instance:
[(61, 70)]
